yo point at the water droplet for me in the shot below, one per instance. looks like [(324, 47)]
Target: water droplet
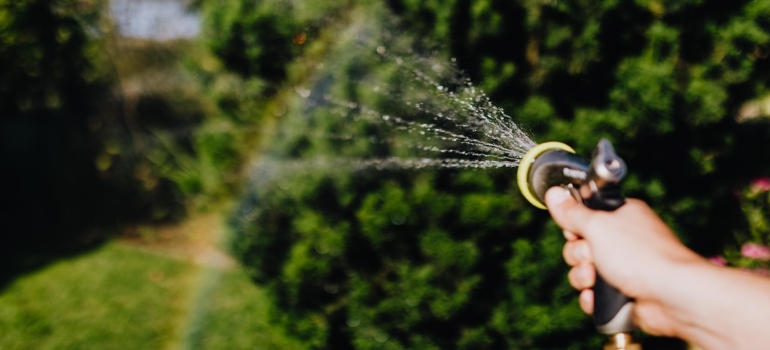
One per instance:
[(381, 336), (302, 91)]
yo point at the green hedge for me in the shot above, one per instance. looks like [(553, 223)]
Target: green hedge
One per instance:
[(456, 259)]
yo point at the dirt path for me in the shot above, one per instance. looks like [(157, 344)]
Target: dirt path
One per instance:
[(199, 239)]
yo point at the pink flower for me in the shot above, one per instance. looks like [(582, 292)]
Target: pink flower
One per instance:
[(761, 184), (718, 260), (756, 251)]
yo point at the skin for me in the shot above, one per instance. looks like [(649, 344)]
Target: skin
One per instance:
[(678, 293)]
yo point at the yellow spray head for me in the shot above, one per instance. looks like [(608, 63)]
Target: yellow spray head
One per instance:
[(556, 164), (523, 174)]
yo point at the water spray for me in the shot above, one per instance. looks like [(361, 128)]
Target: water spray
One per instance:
[(595, 183)]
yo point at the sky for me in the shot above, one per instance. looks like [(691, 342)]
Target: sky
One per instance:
[(155, 19)]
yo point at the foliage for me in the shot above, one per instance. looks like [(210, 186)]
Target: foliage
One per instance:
[(46, 89), (252, 38), (391, 258), (197, 111), (663, 80), (48, 49), (754, 252), (456, 259), (98, 131), (89, 129)]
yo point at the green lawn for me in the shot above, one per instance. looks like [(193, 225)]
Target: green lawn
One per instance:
[(123, 297), (233, 315)]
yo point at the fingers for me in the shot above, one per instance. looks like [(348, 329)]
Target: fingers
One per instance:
[(587, 301), (576, 252), (566, 211), (582, 276)]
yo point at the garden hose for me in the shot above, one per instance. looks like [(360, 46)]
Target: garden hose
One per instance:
[(595, 183)]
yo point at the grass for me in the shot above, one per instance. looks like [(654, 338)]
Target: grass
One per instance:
[(105, 299), (124, 297), (234, 307)]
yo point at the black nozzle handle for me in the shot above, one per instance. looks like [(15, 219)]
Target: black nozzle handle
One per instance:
[(613, 311)]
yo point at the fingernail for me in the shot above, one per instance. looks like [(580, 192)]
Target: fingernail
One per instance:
[(556, 196)]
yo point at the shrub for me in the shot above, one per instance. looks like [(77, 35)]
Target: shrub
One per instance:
[(455, 258)]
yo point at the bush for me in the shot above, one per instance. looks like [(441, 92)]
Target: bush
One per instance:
[(455, 259)]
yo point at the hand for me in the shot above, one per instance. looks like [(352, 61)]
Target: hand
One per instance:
[(631, 247), (677, 292)]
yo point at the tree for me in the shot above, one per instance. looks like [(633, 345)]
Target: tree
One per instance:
[(46, 88)]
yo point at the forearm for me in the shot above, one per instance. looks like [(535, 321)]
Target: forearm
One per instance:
[(721, 308)]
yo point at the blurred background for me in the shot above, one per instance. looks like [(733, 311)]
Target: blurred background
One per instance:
[(225, 174)]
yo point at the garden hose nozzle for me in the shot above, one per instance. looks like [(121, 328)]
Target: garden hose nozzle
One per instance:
[(594, 182)]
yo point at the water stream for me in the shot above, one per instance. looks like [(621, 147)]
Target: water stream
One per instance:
[(425, 104)]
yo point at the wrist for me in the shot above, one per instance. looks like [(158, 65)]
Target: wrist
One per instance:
[(717, 307), (691, 297)]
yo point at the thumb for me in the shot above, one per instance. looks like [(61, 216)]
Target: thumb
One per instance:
[(567, 212)]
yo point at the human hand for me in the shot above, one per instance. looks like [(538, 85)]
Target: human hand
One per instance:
[(632, 249)]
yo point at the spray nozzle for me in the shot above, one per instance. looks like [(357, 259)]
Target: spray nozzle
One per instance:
[(596, 182), (556, 164)]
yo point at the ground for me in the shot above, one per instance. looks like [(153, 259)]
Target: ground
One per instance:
[(167, 287)]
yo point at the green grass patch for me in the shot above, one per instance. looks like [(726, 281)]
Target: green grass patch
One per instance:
[(232, 313), (116, 297), (123, 297)]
